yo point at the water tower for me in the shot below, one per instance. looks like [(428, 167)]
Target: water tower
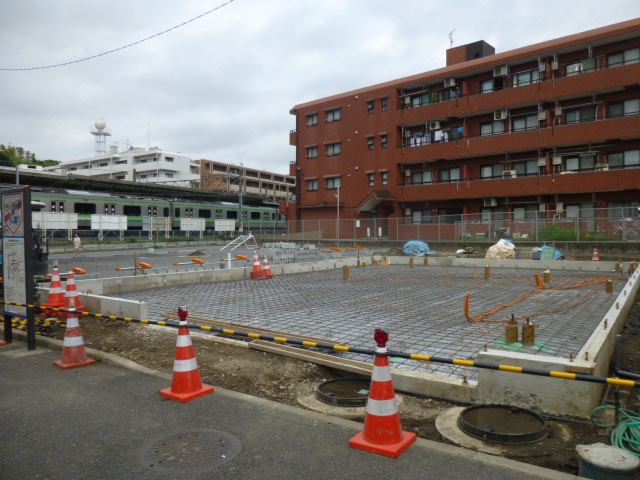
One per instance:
[(101, 133)]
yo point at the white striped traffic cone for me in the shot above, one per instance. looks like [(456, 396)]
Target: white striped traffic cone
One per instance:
[(267, 268), (187, 383), (56, 295), (74, 355), (258, 273), (71, 293), (382, 432), (595, 257)]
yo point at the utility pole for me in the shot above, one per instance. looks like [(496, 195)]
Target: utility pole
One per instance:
[(338, 218), (240, 188)]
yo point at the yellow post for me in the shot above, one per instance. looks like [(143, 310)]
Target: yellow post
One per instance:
[(609, 285), (487, 272), (511, 332), (425, 261), (547, 276), (345, 272), (411, 262), (528, 334)]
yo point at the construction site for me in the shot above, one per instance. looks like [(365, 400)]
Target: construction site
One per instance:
[(531, 334)]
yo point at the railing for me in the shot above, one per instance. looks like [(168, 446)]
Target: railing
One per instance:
[(601, 225)]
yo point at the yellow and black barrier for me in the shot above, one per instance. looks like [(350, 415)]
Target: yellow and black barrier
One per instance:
[(365, 351)]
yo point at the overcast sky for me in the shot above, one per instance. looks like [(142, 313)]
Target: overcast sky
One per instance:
[(221, 87)]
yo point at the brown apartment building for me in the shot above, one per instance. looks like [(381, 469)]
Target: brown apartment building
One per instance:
[(544, 133)]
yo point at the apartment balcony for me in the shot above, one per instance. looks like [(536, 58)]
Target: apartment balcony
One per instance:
[(563, 183), (556, 88), (293, 137), (544, 138)]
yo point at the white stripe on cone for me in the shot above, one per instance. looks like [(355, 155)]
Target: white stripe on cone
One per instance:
[(382, 408), (185, 365)]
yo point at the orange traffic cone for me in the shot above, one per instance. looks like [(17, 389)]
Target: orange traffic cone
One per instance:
[(56, 297), (187, 383), (382, 432), (595, 257), (74, 354), (267, 268), (71, 293), (258, 273)]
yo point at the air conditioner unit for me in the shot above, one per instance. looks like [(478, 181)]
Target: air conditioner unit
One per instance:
[(407, 100), (558, 111), (501, 71), (542, 207), (559, 206), (573, 69), (554, 64), (509, 174), (407, 212), (542, 115), (435, 125), (491, 202), (407, 172), (449, 82), (557, 160), (542, 162), (500, 114), (407, 132)]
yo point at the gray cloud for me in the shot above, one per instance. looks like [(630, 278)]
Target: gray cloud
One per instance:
[(221, 87)]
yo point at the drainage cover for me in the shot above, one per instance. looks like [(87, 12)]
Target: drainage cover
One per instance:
[(345, 392), (502, 424), (191, 451)]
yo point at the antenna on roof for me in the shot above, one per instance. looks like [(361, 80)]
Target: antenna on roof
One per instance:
[(451, 37)]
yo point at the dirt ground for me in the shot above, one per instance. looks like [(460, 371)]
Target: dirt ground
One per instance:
[(284, 380)]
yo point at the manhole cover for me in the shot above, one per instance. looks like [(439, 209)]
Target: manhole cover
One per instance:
[(502, 424), (190, 451), (345, 392)]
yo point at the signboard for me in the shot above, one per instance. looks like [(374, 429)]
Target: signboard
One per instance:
[(17, 244), (225, 225), (55, 221), (192, 224), (108, 222)]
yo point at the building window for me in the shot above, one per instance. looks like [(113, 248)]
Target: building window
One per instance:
[(424, 177), (370, 142), (579, 163), (491, 171), (168, 159), (630, 158), (384, 141), (333, 183), (623, 209), (492, 128), (384, 178), (526, 212), (581, 114), (312, 185), (525, 169), (449, 94), (449, 174), (333, 115), (312, 152), (312, 120), (372, 179), (530, 122), (526, 78), (371, 107), (421, 216), (333, 149), (624, 109), (384, 104), (420, 100), (626, 57), (492, 85), (169, 175)]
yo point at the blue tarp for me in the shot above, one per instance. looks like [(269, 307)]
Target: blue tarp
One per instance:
[(556, 253), (415, 247)]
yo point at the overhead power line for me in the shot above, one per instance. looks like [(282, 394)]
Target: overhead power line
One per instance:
[(120, 48)]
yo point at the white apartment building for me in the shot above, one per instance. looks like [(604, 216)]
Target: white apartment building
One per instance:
[(138, 165)]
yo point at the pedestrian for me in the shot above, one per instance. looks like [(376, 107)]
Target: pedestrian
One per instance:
[(77, 244)]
